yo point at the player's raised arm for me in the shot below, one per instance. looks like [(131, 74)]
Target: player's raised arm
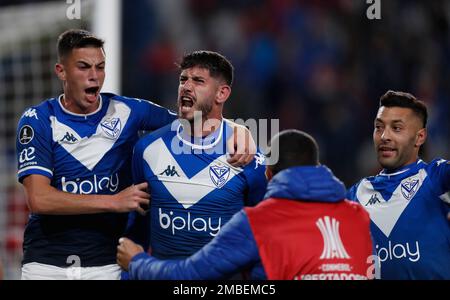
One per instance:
[(45, 199)]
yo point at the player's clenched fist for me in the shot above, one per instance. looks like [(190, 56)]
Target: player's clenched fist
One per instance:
[(241, 146), (132, 198), (126, 250)]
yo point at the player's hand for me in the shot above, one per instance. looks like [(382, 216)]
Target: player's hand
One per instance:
[(126, 250), (242, 147), (132, 199)]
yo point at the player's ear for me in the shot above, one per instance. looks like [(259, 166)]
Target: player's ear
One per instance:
[(421, 137), (60, 72), (223, 92)]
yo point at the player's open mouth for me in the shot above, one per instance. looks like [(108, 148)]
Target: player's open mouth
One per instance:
[(186, 103), (92, 93)]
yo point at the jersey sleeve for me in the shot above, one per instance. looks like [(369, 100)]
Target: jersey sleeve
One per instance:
[(34, 145), (441, 177), (153, 116), (232, 250), (255, 174)]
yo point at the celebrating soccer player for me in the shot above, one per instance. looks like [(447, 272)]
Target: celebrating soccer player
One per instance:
[(194, 190)]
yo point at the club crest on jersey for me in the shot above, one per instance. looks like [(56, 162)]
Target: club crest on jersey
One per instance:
[(112, 127), (409, 188), (26, 134), (219, 175)]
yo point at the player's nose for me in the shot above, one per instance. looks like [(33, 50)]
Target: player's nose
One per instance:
[(93, 75), (187, 85), (385, 135)]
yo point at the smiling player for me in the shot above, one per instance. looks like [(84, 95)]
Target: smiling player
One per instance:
[(407, 200)]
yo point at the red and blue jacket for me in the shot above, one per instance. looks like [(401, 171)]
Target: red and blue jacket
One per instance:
[(304, 229)]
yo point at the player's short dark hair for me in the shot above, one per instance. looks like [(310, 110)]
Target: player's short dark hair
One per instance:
[(76, 38), (217, 64), (295, 148), (406, 100)]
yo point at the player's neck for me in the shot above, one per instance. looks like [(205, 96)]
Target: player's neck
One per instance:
[(204, 127), (71, 106), (402, 168)]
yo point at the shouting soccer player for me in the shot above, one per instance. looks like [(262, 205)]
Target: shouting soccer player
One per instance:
[(194, 190)]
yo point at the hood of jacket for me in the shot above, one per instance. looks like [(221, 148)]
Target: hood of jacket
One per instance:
[(306, 183)]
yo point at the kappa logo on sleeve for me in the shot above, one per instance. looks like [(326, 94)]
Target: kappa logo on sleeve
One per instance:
[(26, 134), (30, 113), (259, 159), (441, 161)]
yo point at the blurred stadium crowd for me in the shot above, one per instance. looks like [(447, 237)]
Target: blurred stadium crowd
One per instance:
[(319, 66), (316, 65)]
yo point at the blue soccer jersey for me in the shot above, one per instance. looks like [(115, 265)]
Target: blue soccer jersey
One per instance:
[(81, 154), (409, 226), (194, 190)]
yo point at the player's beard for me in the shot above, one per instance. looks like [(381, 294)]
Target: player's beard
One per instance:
[(204, 108)]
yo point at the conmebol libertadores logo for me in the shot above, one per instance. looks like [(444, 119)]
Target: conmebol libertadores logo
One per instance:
[(333, 247)]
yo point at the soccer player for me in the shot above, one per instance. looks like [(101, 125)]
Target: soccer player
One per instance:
[(305, 229), (74, 160), (406, 199), (194, 190)]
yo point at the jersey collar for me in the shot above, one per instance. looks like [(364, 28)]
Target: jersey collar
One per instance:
[(402, 170), (201, 143), (80, 115)]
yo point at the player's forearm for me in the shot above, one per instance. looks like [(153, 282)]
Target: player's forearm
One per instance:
[(62, 203), (233, 249), (48, 200)]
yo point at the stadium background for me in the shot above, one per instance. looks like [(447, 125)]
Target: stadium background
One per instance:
[(317, 65)]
